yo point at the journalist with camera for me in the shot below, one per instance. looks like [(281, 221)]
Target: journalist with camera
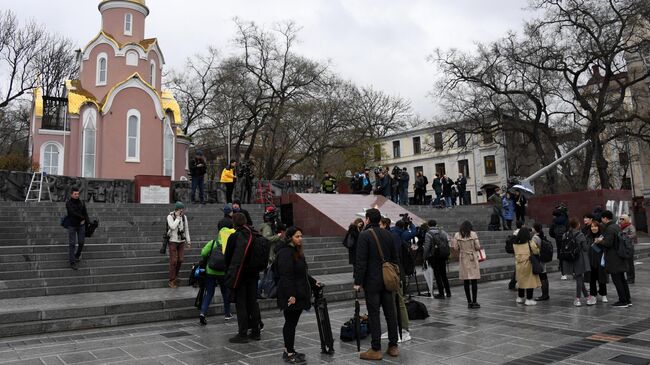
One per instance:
[(179, 238), (245, 175)]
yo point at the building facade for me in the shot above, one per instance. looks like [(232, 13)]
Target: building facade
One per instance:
[(115, 121), (441, 150)]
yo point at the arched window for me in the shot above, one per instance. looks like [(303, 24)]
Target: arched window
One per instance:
[(89, 143), (168, 153), (152, 74), (102, 69), (133, 136), (128, 24), (132, 58), (51, 158)]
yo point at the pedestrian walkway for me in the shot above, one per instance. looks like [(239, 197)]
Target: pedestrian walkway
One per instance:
[(500, 332)]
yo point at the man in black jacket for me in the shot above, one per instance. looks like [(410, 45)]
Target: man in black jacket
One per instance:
[(198, 168), (242, 281), (236, 208), (368, 276), (75, 223), (614, 264), (383, 184)]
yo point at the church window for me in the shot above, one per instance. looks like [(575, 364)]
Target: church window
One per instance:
[(152, 74), (133, 136), (168, 152), (89, 144), (51, 159), (102, 69), (128, 24)]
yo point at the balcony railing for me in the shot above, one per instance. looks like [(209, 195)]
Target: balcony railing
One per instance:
[(54, 113)]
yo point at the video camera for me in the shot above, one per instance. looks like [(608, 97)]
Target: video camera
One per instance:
[(246, 169), (406, 218), (396, 171)]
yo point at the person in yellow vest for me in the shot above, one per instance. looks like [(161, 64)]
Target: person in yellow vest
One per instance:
[(215, 275), (228, 178)]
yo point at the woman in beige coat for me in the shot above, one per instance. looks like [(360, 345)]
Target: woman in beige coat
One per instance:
[(526, 280), (466, 244)]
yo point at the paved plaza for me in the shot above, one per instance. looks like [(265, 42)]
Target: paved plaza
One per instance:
[(500, 332)]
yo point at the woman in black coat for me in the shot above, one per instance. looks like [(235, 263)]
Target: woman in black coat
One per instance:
[(351, 238), (294, 289), (598, 276)]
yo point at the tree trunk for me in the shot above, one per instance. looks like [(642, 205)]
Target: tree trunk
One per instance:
[(601, 166)]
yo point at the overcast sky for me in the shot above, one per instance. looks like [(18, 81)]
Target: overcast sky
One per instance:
[(383, 43)]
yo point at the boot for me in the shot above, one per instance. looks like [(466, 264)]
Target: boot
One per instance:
[(544, 291)]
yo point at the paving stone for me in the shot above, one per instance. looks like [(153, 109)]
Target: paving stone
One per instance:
[(77, 357)]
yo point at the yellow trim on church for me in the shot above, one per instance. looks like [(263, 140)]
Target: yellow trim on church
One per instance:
[(38, 102), (169, 103), (77, 97)]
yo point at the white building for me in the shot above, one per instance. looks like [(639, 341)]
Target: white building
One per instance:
[(439, 149)]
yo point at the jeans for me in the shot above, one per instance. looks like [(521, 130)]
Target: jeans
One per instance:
[(462, 198), (404, 195), (197, 181), (210, 282), (440, 274), (76, 235), (176, 256), (581, 289), (436, 202), (597, 287), (447, 201), (527, 292), (622, 289), (385, 300), (291, 318), (246, 305), (230, 188)]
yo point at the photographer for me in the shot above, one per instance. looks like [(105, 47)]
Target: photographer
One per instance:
[(383, 184), (179, 239), (245, 174), (394, 186), (404, 187)]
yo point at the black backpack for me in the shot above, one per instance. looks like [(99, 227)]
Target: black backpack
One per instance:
[(260, 249), (216, 260), (416, 310), (624, 246), (510, 244), (559, 231), (408, 263), (546, 250), (439, 245), (569, 249)]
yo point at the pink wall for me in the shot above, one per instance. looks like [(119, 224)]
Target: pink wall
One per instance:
[(540, 208), (113, 24), (113, 152)]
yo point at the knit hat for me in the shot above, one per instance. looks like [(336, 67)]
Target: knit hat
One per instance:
[(227, 209), (179, 205)]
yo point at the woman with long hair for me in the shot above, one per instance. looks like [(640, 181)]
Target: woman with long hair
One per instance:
[(527, 281), (351, 238), (466, 243), (294, 289), (598, 275)]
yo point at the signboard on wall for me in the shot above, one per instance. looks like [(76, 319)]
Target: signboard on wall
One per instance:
[(154, 194)]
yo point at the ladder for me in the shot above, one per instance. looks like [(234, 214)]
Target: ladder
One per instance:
[(36, 190)]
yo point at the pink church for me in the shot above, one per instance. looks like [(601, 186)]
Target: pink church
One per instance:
[(115, 121)]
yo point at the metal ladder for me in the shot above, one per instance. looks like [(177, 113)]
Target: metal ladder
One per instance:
[(36, 188)]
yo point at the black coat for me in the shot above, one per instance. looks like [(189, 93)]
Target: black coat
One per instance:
[(235, 259), (295, 280), (350, 241), (613, 263), (76, 212), (368, 265), (595, 257), (226, 222), (446, 187), (249, 221), (195, 169), (383, 186)]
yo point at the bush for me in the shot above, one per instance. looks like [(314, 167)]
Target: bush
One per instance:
[(16, 162)]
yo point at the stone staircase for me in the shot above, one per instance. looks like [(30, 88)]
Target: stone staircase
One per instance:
[(122, 277)]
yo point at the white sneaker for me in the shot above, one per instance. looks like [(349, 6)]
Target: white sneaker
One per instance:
[(520, 300), (384, 335), (591, 300), (577, 302), (530, 302), (406, 336), (564, 277), (603, 298)]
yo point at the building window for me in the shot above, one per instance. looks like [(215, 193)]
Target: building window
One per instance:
[(488, 138), (440, 169), (89, 144), (168, 164), (132, 58), (51, 159), (461, 140), (437, 141), (152, 74), (417, 149), (490, 165), (128, 24), (463, 167), (102, 69), (133, 136), (396, 150), (377, 151)]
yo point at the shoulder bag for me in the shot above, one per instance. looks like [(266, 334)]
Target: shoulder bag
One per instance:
[(535, 262), (390, 271)]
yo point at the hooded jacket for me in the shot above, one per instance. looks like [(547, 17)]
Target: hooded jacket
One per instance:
[(295, 280)]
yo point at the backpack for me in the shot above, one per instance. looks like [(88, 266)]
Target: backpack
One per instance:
[(440, 245), (624, 246), (546, 250), (259, 252), (559, 231), (416, 310), (510, 244), (216, 260), (347, 330), (408, 263), (569, 249)]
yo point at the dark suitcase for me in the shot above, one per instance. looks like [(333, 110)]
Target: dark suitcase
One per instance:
[(323, 319)]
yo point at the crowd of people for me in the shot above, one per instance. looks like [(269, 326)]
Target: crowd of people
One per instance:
[(507, 207), (374, 242)]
